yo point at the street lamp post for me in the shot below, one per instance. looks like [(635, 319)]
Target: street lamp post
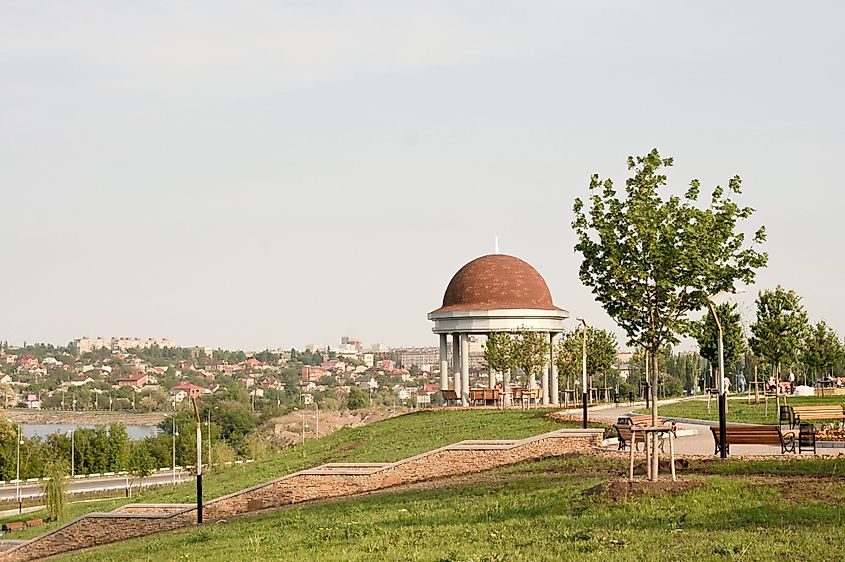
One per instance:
[(18, 474), (73, 450), (723, 398), (723, 453), (175, 434), (584, 370)]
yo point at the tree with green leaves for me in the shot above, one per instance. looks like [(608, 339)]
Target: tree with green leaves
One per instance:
[(141, 463), (780, 328), (55, 488), (601, 353), (529, 351), (652, 257), (498, 353), (821, 349)]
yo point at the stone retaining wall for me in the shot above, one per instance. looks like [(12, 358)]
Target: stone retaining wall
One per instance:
[(323, 482)]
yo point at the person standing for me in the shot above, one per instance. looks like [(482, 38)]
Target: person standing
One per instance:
[(740, 383)]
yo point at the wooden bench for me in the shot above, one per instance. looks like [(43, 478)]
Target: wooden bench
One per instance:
[(449, 396), (34, 522), (623, 427), (484, 396), (14, 526), (754, 435), (804, 413)]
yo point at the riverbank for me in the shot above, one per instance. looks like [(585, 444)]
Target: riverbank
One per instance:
[(44, 417)]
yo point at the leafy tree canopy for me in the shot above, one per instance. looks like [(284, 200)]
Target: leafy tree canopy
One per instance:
[(821, 349), (601, 352), (780, 327), (650, 259)]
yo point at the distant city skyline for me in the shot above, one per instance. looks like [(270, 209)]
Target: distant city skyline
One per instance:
[(283, 174)]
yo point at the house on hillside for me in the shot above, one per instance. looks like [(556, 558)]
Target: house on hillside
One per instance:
[(81, 380), (135, 380), (187, 390)]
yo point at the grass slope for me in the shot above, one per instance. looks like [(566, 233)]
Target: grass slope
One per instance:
[(385, 441), (536, 512), (739, 411)]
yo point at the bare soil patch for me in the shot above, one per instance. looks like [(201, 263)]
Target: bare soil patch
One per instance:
[(621, 489), (287, 430)]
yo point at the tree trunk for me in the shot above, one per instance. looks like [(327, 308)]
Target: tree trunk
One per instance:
[(654, 459), (756, 387)]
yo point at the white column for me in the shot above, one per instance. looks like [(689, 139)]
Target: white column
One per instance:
[(456, 362), (464, 369), (491, 379), (553, 341), (444, 362), (545, 385)]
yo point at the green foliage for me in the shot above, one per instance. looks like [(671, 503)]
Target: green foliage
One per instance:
[(356, 399), (141, 462), (529, 351), (650, 260), (821, 349), (601, 353), (706, 333), (55, 489), (780, 327), (498, 351)]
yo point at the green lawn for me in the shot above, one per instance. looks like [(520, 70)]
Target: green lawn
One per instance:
[(385, 441), (536, 511), (739, 411)]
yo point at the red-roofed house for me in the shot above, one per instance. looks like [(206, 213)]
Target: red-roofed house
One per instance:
[(186, 390), (135, 380)]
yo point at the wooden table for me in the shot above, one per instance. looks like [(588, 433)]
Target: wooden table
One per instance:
[(649, 435)]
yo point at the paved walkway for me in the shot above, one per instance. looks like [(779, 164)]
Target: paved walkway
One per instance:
[(698, 440)]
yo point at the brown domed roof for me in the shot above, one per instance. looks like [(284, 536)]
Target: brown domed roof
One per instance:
[(497, 282)]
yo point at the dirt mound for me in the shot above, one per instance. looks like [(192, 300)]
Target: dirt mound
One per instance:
[(621, 489), (287, 430)]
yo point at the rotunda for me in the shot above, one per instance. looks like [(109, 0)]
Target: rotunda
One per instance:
[(495, 293)]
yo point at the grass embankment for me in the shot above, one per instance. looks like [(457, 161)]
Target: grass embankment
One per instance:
[(385, 441), (739, 410), (537, 511)]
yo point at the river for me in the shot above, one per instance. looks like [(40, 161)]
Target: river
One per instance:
[(45, 429)]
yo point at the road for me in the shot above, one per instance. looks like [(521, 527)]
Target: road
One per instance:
[(90, 485)]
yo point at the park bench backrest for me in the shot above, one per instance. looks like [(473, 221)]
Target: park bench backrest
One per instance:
[(832, 411), (750, 435)]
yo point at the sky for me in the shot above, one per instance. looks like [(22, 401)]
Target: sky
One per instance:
[(271, 174)]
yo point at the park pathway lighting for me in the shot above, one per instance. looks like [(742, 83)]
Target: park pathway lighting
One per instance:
[(723, 399), (175, 435), (584, 370), (18, 473)]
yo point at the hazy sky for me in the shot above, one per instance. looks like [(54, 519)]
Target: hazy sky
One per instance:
[(264, 174)]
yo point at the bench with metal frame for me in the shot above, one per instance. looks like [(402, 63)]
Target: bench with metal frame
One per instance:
[(754, 435)]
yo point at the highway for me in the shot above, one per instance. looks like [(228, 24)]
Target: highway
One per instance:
[(30, 490)]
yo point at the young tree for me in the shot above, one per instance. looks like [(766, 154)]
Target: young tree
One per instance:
[(651, 259), (601, 353), (141, 463), (55, 488), (498, 352), (529, 351), (821, 349), (780, 327)]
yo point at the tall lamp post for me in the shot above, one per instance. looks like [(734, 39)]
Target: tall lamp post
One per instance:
[(18, 474), (199, 461), (584, 370), (175, 434), (721, 387), (723, 398)]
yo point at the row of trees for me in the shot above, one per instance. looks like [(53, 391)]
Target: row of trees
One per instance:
[(781, 337), (526, 352)]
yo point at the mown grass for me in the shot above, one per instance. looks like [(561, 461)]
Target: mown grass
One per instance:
[(739, 410), (385, 441), (537, 511)]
